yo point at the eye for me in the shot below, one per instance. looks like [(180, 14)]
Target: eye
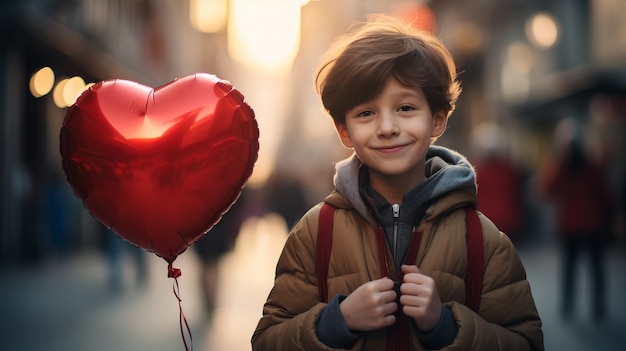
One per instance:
[(406, 108), (365, 113)]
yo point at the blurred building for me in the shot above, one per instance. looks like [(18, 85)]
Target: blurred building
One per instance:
[(524, 64)]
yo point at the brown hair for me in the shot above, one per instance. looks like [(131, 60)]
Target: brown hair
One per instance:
[(357, 65)]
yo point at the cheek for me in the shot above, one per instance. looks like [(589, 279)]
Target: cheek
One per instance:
[(419, 127), (359, 136)]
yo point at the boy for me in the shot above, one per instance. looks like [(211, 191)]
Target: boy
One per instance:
[(390, 90)]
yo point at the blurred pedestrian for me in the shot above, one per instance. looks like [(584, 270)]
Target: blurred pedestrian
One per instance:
[(58, 216), (499, 180), (286, 197), (117, 251), (579, 191), (219, 241)]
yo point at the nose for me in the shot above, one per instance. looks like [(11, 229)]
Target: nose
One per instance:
[(387, 125)]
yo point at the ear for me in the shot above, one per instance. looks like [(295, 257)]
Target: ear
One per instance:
[(344, 135), (440, 123)]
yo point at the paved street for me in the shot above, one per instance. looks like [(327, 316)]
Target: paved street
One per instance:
[(579, 332), (67, 304)]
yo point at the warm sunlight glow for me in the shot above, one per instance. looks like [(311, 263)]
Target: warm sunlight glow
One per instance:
[(208, 16), (42, 82), (264, 34), (542, 30)]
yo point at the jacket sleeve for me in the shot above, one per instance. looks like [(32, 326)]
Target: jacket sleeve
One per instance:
[(508, 318), (293, 307)]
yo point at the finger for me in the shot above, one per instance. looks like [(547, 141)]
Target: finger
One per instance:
[(412, 311), (388, 320), (410, 269), (384, 284), (410, 288), (388, 296), (389, 308), (411, 300)]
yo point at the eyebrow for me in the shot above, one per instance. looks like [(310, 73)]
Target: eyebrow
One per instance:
[(407, 93)]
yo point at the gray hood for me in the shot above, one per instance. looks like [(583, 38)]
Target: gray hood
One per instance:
[(446, 171)]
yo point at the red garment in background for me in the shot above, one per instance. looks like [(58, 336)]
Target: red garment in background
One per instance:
[(582, 199), (499, 194)]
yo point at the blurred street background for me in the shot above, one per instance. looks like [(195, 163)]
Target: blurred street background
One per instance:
[(536, 74)]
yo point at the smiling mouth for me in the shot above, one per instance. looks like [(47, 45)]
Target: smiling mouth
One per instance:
[(390, 149)]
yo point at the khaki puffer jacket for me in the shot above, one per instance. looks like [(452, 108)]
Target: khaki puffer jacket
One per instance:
[(508, 318)]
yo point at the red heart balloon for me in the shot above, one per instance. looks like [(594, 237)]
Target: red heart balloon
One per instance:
[(160, 166)]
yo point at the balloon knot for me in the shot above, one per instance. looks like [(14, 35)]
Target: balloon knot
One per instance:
[(173, 272)]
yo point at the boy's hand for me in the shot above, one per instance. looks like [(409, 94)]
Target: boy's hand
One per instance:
[(370, 306), (419, 298)]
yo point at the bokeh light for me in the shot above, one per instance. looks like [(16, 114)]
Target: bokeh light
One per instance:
[(542, 30), (57, 94), (68, 90), (73, 88), (41, 82)]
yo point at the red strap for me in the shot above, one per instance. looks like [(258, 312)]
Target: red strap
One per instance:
[(324, 247), (475, 260), (380, 239), (411, 255)]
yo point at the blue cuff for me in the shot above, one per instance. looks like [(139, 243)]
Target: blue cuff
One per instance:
[(332, 329), (444, 333)]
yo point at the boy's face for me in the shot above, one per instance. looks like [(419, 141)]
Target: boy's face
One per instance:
[(391, 133)]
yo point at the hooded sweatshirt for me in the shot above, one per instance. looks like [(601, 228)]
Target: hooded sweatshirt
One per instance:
[(446, 171)]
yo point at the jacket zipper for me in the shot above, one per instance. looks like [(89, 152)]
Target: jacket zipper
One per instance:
[(396, 215)]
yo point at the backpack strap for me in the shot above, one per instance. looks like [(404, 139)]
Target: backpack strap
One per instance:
[(475, 259), (324, 247)]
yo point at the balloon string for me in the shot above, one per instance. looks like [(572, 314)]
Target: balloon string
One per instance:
[(175, 273)]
